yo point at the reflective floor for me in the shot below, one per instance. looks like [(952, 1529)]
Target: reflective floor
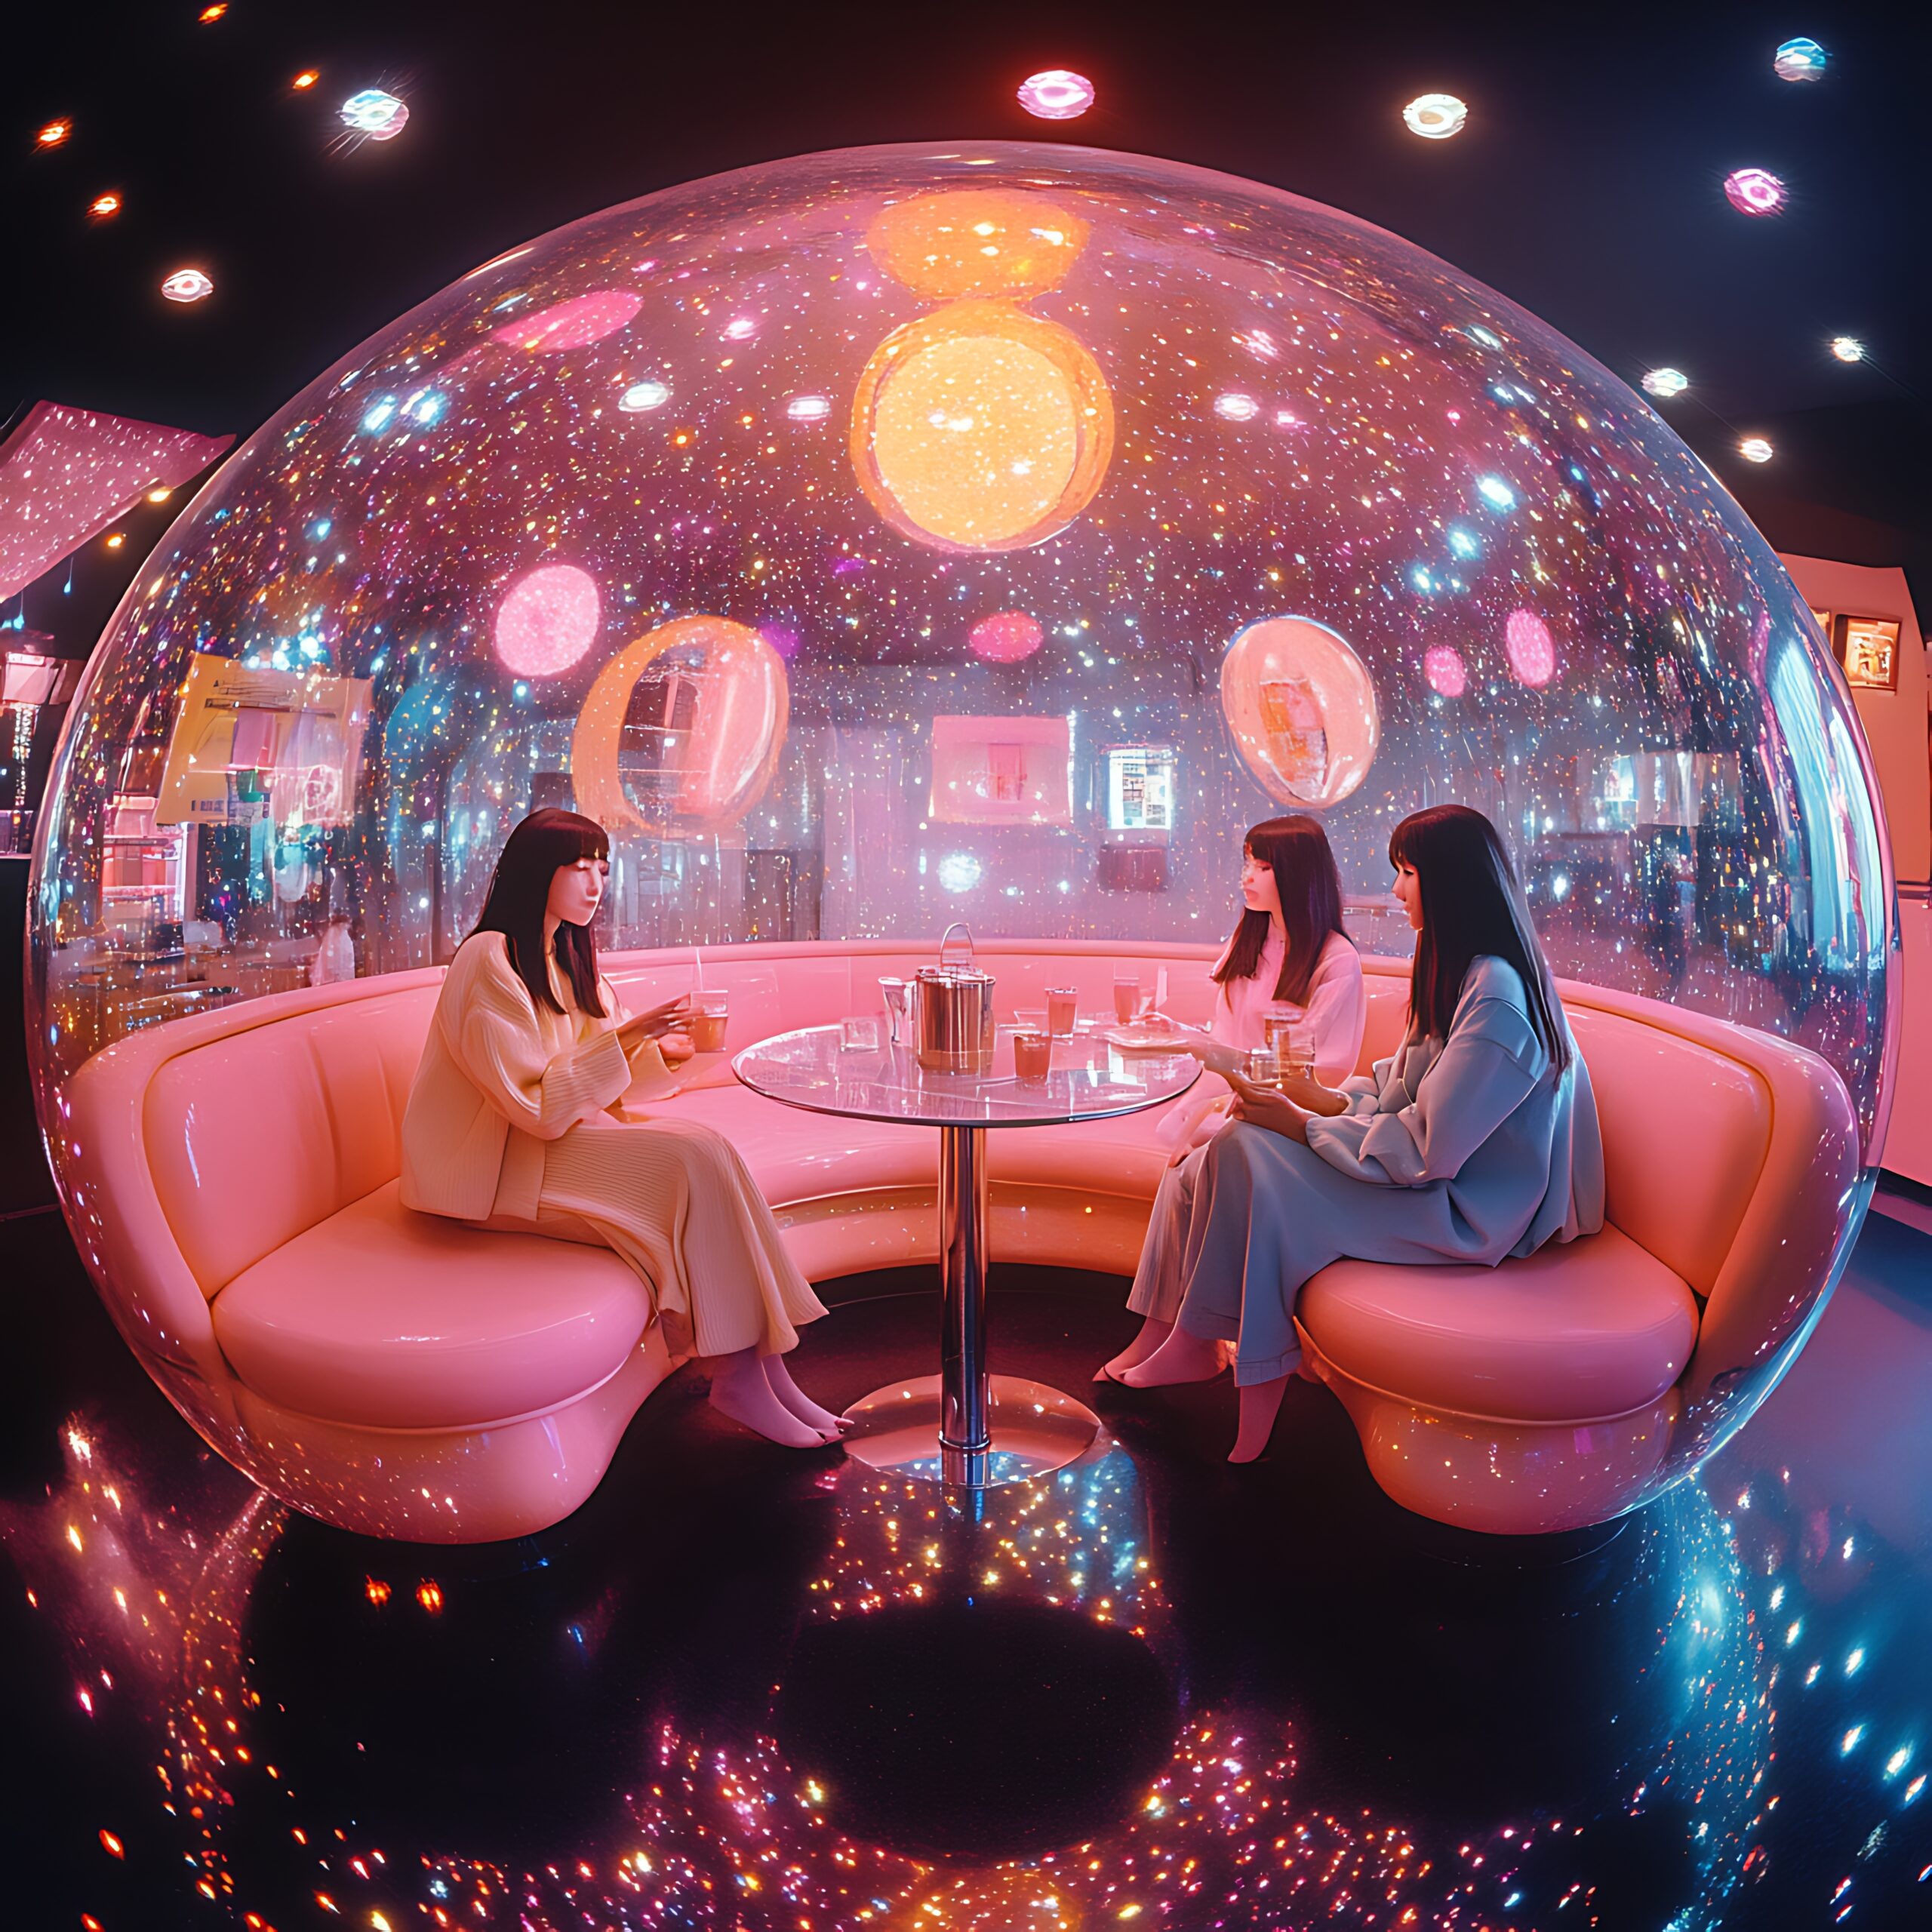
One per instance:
[(745, 1688)]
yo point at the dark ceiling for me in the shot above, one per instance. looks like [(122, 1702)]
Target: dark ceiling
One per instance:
[(1586, 186)]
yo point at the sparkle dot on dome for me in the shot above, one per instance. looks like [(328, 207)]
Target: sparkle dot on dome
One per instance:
[(380, 115), (1058, 95), (1800, 60), (641, 396), (54, 133), (809, 408), (741, 328), (1663, 383), (1442, 665), (102, 206), (1848, 348), (1006, 638), (1754, 191), (1237, 407), (187, 285), (575, 324), (1435, 116), (1755, 449), (1531, 650), (548, 621), (1496, 494), (959, 872)]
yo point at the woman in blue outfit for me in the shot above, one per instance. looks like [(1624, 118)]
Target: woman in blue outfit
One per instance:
[(1476, 1139)]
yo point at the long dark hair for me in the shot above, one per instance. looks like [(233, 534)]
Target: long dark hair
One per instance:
[(540, 848), (1297, 850), (1471, 904)]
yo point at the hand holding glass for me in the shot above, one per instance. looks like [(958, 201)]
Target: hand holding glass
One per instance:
[(653, 1023)]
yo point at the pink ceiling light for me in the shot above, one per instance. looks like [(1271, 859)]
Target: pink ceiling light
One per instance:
[(1058, 95), (1755, 191)]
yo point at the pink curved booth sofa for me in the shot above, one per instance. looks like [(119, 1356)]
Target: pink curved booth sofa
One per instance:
[(232, 1179)]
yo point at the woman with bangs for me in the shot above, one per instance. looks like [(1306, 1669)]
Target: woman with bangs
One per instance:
[(508, 1126), (1475, 1140), (1287, 958)]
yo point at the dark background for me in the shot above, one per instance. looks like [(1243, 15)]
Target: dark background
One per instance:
[(1587, 186)]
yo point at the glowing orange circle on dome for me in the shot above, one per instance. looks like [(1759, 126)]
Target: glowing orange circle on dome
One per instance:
[(981, 427), (965, 242), (1301, 706), (712, 753)]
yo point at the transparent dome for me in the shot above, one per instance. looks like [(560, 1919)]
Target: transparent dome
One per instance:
[(884, 536)]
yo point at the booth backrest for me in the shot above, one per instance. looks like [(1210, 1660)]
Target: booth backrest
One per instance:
[(281, 1112), (1685, 1128), (255, 1136)]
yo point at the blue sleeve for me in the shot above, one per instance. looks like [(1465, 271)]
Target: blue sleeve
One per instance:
[(1487, 1067)]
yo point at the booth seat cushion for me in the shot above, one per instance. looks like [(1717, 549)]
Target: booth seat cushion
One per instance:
[(390, 1319), (1577, 1332)]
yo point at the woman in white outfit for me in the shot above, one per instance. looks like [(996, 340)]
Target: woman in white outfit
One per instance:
[(1288, 957)]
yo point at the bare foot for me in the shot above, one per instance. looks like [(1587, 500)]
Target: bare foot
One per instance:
[(1260, 1403), (1153, 1332), (739, 1390), (795, 1399), (1181, 1358)]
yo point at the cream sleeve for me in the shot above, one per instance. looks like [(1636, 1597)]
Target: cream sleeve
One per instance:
[(497, 1042)]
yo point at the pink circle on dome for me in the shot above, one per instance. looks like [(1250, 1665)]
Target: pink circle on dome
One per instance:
[(584, 319), (1442, 664), (1532, 653), (548, 621), (1006, 639)]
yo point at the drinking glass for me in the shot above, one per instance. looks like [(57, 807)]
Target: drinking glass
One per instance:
[(1277, 1017), (1062, 1004), (1264, 1067), (1127, 996), (859, 1033), (1032, 1053), (710, 1014), (894, 993), (1296, 1046)]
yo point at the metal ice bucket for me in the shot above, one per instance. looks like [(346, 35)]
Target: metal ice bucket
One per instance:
[(952, 1014)]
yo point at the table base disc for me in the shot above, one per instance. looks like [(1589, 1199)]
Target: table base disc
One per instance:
[(1035, 1430)]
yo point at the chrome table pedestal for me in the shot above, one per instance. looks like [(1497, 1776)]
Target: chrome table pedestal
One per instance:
[(964, 1425)]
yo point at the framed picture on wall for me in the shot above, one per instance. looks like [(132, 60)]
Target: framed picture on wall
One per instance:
[(1868, 647)]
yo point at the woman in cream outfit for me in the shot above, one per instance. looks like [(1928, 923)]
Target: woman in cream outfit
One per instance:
[(1288, 956), (508, 1126)]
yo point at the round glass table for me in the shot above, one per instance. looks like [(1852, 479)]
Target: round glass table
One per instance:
[(964, 1425)]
